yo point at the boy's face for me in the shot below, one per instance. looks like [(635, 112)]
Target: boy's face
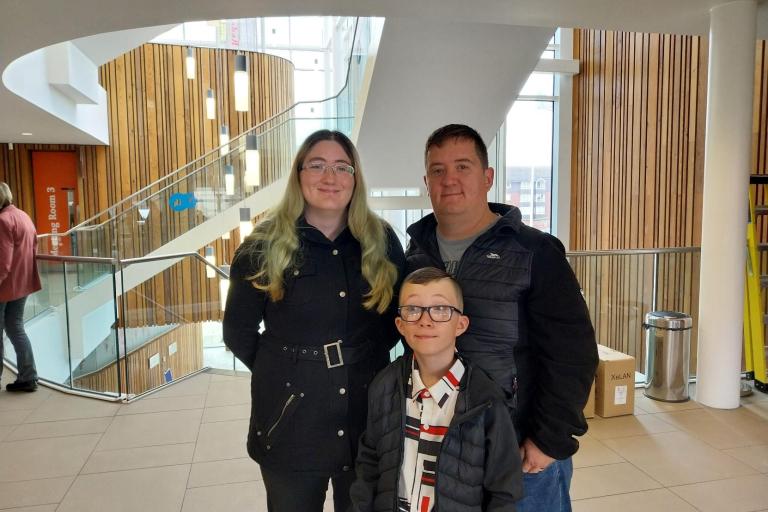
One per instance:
[(425, 336)]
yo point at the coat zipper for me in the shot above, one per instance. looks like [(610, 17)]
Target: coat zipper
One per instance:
[(439, 453), (401, 454), (282, 413)]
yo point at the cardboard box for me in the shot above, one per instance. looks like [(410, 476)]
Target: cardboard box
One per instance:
[(589, 409), (615, 390)]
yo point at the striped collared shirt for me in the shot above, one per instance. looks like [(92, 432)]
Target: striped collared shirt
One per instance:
[(428, 414)]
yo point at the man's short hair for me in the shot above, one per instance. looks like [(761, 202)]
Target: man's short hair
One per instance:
[(428, 275), (6, 197), (458, 131)]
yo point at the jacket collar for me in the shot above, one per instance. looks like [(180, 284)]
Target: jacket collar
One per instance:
[(423, 231), (310, 233), (467, 404)]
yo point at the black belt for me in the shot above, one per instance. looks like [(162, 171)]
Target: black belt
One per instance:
[(333, 354)]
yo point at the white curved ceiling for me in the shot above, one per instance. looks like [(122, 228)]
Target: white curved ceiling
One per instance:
[(28, 25)]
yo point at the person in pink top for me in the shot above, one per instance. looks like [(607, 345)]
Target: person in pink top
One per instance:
[(18, 279)]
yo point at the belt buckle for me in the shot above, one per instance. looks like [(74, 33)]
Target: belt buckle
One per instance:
[(328, 363)]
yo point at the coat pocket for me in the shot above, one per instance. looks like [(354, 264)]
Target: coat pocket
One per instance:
[(302, 284), (277, 425)]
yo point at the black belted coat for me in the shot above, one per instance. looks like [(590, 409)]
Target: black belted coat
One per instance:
[(308, 411)]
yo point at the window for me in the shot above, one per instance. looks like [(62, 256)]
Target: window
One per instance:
[(529, 128)]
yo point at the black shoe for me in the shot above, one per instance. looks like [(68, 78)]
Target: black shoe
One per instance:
[(27, 386)]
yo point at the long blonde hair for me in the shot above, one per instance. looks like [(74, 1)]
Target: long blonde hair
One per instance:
[(274, 243)]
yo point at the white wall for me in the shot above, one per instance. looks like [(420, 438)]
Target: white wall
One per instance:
[(431, 73)]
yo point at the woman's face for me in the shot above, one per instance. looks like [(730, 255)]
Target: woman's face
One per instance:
[(327, 191)]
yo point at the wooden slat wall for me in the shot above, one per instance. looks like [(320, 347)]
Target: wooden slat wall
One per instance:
[(760, 151), (158, 124), (638, 153), (187, 359), (157, 115), (638, 119)]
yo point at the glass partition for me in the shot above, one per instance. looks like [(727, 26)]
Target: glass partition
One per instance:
[(69, 329), (170, 314), (621, 287), (144, 326)]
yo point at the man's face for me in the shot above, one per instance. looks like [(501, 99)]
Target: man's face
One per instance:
[(425, 336), (456, 180)]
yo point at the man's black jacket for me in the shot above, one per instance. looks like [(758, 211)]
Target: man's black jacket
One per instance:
[(478, 467), (529, 325)]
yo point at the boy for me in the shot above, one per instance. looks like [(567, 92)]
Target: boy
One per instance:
[(439, 435)]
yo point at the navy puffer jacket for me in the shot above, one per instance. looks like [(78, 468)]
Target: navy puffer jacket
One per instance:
[(478, 467)]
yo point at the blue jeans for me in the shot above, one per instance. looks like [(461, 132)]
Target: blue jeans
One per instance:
[(547, 491), (12, 322)]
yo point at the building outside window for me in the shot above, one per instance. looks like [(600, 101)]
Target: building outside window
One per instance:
[(529, 128)]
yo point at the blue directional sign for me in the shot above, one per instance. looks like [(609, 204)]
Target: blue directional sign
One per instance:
[(180, 202)]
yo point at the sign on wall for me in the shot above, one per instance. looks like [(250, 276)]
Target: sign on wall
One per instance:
[(55, 181)]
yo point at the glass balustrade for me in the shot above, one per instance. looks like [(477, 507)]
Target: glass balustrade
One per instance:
[(153, 321), (620, 287), (165, 313)]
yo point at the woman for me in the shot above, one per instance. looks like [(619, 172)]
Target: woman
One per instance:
[(18, 279), (322, 272)]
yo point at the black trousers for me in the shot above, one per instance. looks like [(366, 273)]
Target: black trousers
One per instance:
[(293, 491)]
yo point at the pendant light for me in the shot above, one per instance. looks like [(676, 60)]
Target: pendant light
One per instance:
[(241, 83), (246, 226), (224, 139), (229, 180), (252, 172), (210, 105), (191, 64), (210, 257)]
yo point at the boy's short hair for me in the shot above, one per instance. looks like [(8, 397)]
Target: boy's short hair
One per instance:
[(428, 275)]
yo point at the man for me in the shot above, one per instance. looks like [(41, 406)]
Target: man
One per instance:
[(530, 326)]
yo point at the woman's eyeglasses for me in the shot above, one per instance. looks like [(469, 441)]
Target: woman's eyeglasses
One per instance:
[(318, 168)]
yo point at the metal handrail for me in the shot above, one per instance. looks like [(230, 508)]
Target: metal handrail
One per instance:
[(77, 259), (215, 150), (625, 252), (169, 185), (178, 255), (132, 261), (655, 252)]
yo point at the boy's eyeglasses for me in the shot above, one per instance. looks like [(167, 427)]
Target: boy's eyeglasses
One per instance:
[(436, 313), (318, 168)]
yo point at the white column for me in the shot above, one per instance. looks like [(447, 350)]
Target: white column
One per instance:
[(561, 184), (727, 164)]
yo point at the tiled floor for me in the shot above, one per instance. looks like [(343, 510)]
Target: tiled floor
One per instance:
[(182, 449)]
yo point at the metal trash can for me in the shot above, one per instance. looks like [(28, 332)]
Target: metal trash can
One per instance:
[(667, 355)]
